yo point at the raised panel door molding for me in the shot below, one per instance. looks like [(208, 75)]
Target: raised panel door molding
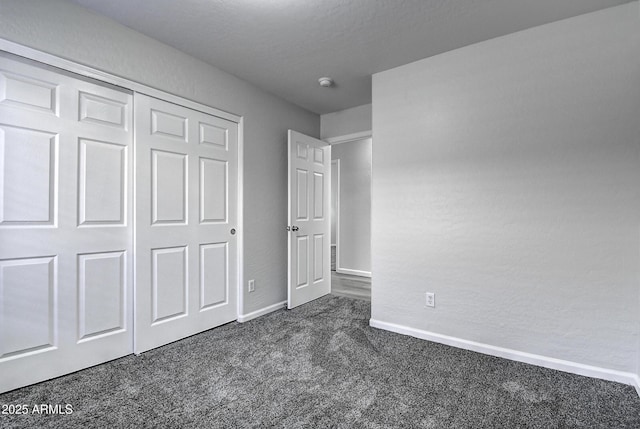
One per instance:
[(28, 93), (169, 125), (169, 187), (102, 197), (214, 135), (214, 275), (103, 111), (29, 311), (102, 289), (213, 190), (169, 283), (28, 177)]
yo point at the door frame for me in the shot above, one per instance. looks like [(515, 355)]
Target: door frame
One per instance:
[(335, 192), (339, 140), (93, 73)]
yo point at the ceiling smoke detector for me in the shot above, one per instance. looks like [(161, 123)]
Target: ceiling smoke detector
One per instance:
[(325, 82)]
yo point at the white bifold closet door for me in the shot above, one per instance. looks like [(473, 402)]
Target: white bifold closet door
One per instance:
[(186, 211), (65, 223)]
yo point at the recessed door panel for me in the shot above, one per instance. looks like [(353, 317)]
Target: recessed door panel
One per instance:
[(318, 195), (168, 125), (214, 279), (169, 283), (102, 111), (318, 257), (28, 305), (214, 135), (27, 176), (101, 288), (302, 250), (168, 187), (23, 91), (302, 189), (213, 190), (102, 187), (302, 150)]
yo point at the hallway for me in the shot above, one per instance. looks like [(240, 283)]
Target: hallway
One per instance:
[(356, 287)]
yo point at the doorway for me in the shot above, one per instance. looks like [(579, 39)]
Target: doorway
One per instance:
[(351, 216)]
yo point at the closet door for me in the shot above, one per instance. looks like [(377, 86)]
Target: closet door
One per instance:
[(186, 210), (65, 223)]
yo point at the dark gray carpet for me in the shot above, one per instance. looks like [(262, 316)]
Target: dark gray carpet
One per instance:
[(321, 365)]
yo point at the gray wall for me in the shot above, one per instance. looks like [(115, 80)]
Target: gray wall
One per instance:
[(355, 206), (507, 181), (344, 122), (72, 32)]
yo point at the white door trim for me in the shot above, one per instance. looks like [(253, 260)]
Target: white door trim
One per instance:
[(361, 135), (335, 166), (240, 219), (87, 71)]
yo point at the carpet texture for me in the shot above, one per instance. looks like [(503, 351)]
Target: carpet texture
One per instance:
[(322, 366)]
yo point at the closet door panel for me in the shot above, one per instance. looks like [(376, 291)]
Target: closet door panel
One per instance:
[(65, 223), (186, 263)]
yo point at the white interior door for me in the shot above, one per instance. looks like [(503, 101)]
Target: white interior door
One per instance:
[(186, 212), (309, 219), (65, 223)]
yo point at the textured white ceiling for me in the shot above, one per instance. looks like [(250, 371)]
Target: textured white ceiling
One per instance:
[(284, 46)]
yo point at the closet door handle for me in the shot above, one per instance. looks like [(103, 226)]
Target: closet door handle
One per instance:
[(233, 231)]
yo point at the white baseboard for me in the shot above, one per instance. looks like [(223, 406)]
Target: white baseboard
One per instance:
[(533, 359), (353, 272), (266, 310)]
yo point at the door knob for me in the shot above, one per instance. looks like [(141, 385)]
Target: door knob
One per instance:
[(233, 231), (294, 228)]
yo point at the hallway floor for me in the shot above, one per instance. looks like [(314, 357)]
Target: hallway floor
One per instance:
[(351, 286)]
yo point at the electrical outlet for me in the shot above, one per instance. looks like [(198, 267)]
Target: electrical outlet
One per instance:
[(431, 299), (252, 285)]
